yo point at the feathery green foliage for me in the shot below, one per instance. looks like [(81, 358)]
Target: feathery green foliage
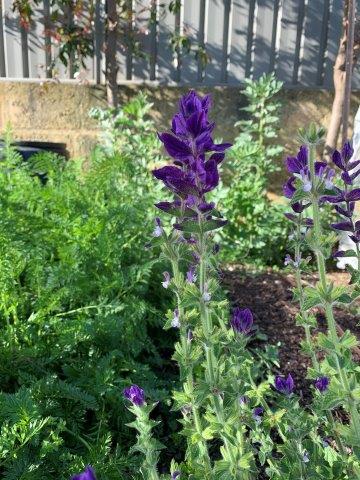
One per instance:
[(77, 299)]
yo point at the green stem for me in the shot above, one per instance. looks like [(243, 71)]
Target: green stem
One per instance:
[(211, 373)]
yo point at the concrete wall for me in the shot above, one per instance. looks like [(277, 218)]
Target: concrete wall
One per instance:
[(59, 112)]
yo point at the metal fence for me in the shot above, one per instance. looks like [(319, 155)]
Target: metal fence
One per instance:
[(298, 39)]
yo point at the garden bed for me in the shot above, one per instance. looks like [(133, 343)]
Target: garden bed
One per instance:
[(269, 295)]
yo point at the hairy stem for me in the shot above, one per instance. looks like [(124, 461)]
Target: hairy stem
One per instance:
[(211, 363), (355, 418), (189, 381)]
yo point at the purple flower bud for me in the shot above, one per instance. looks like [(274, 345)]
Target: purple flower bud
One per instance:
[(87, 474), (206, 294), (216, 249), (306, 457), (135, 394), (257, 412), (191, 275), (176, 475), (322, 384), (167, 280), (285, 385), (175, 322), (325, 442), (347, 151), (289, 261), (190, 336), (242, 321), (158, 228), (244, 400), (196, 258)]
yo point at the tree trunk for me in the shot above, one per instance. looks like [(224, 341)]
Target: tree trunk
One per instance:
[(340, 84), (111, 69)]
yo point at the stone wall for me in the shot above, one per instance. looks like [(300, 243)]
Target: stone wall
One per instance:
[(59, 112)]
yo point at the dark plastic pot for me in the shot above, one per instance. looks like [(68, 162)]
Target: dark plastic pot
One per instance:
[(28, 148)]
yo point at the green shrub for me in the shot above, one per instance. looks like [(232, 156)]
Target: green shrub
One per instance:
[(78, 294), (256, 232)]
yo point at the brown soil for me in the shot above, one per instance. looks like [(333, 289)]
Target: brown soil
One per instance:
[(269, 296)]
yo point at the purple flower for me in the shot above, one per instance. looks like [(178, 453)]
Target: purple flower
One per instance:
[(135, 394), (242, 320), (167, 280), (322, 384), (175, 475), (175, 322), (196, 158), (285, 385), (191, 275), (87, 474)]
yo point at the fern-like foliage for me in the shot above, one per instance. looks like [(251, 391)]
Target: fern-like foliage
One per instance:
[(78, 295)]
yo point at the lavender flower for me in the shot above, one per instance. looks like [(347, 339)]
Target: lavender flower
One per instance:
[(242, 321), (176, 475), (191, 275), (322, 384), (167, 280), (135, 394), (196, 159), (87, 474), (285, 385), (175, 322)]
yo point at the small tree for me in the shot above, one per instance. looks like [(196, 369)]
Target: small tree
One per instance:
[(71, 26)]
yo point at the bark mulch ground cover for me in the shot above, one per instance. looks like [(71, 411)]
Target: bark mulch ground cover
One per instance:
[(268, 294)]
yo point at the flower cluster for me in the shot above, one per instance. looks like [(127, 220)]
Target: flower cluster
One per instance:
[(346, 196), (196, 159), (300, 178)]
